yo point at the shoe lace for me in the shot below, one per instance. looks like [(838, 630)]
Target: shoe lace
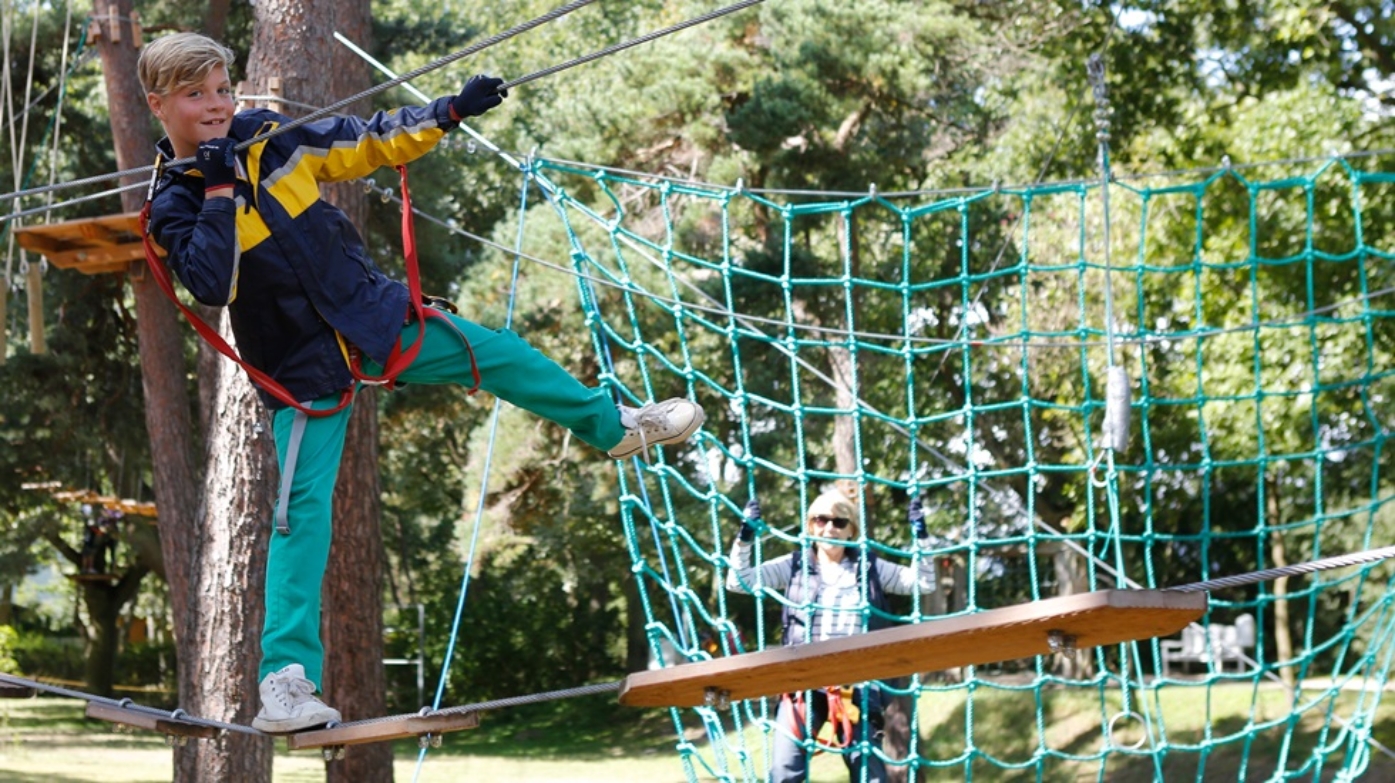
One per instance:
[(300, 690), (294, 690), (651, 418)]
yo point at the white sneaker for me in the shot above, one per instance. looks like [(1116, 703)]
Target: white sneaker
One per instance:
[(670, 421), (289, 703)]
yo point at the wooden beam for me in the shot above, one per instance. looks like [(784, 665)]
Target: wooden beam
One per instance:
[(12, 691), (90, 245), (384, 730), (1038, 628), (173, 727), (83, 259), (37, 241)]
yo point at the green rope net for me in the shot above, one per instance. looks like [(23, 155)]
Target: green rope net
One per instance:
[(958, 346)]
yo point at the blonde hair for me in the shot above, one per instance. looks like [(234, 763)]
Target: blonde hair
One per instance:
[(833, 503), (175, 61)]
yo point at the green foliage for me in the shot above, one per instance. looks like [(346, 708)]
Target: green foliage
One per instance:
[(42, 655), (898, 94), (8, 637)]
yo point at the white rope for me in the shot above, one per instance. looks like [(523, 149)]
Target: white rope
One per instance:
[(58, 108)]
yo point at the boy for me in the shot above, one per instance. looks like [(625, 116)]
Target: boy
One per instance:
[(250, 232)]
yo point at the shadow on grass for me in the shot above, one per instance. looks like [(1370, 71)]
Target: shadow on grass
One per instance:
[(11, 776), (578, 730), (1007, 731)]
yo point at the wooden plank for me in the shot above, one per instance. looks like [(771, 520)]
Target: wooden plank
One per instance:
[(85, 258), (385, 730), (14, 691), (37, 242), (90, 245), (144, 720), (93, 577), (1092, 619)]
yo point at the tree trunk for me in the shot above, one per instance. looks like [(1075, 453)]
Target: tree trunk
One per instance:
[(104, 602), (1278, 553), (357, 567), (220, 648), (215, 19), (1071, 579), (212, 688), (293, 42), (352, 623)]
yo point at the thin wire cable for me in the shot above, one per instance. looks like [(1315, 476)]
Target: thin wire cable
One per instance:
[(719, 311), (334, 107), (126, 704), (972, 190), (1268, 574), (406, 77), (495, 704), (1312, 566), (48, 208), (646, 38)]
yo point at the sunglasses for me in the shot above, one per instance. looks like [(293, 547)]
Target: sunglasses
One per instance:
[(838, 522)]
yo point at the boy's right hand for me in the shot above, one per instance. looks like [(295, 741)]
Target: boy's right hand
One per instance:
[(214, 160)]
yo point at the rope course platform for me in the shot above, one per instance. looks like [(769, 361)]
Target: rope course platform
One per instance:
[(1051, 625), (124, 505), (92, 246), (173, 727), (12, 691), (93, 577), (426, 726)]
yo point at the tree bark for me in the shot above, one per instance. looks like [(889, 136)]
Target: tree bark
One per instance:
[(220, 651), (1278, 553), (352, 623), (293, 41), (213, 669), (897, 738)]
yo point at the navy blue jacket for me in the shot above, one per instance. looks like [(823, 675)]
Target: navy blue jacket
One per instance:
[(291, 268)]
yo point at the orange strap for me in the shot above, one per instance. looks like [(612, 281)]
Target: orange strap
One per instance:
[(838, 715)]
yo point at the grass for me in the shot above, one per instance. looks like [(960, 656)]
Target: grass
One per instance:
[(50, 740), (1244, 732)]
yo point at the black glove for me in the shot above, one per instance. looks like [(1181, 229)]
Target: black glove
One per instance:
[(480, 94), (214, 160), (748, 530), (916, 515)]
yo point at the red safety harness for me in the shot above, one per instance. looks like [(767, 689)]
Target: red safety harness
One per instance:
[(397, 361), (841, 715)]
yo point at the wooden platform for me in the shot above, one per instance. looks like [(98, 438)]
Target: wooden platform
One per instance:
[(92, 246), (81, 577), (12, 691), (168, 726), (125, 506), (1082, 621), (384, 730)]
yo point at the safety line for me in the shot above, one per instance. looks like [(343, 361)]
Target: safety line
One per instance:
[(1325, 564), (128, 704), (1269, 574), (646, 38), (469, 50), (334, 107)]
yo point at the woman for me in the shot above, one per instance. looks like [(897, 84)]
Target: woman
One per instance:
[(824, 599)]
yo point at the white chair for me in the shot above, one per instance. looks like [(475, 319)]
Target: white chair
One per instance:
[(1191, 647)]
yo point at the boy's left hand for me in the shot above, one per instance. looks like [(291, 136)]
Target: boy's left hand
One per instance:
[(480, 94)]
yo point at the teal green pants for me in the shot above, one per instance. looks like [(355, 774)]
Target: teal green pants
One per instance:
[(308, 450)]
